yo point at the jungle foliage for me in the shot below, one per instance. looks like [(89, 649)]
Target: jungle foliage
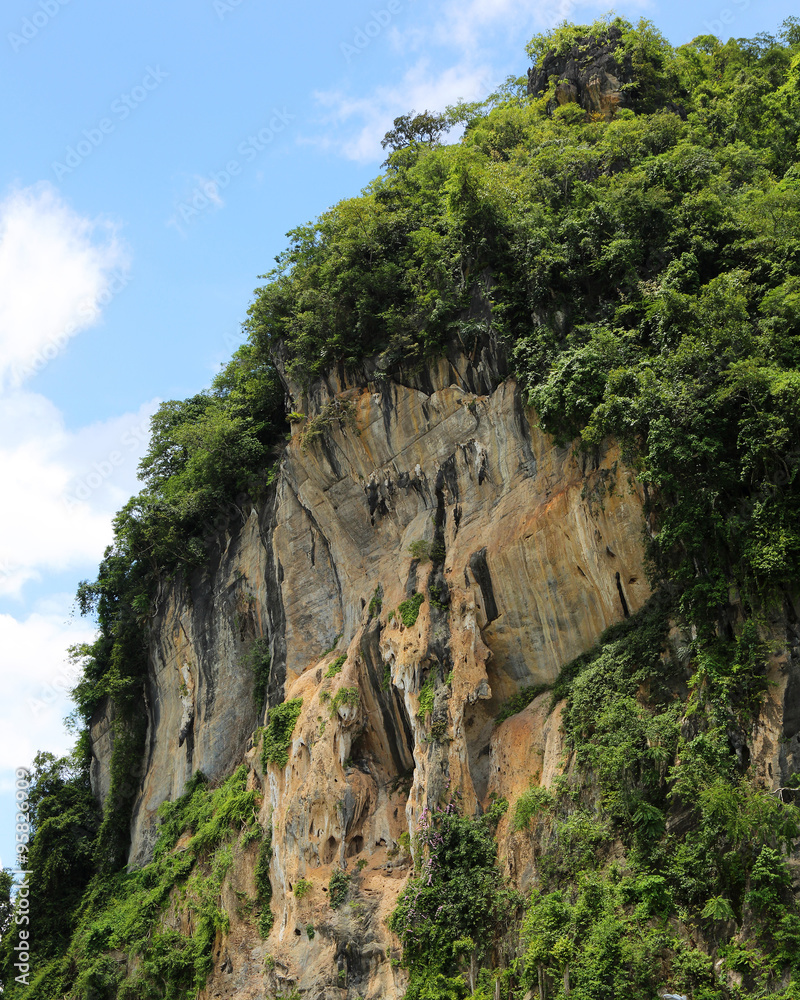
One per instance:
[(126, 912), (657, 838), (454, 911)]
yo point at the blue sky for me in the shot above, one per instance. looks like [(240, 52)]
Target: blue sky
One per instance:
[(154, 155)]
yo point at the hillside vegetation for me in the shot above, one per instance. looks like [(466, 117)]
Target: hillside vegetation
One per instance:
[(642, 270)]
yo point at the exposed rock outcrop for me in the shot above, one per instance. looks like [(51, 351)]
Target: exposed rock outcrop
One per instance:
[(523, 553), (593, 73), (425, 553)]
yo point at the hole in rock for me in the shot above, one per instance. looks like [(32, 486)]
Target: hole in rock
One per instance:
[(355, 846), (329, 850)]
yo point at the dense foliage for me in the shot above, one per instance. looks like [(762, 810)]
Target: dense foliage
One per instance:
[(127, 913), (63, 823), (457, 907), (278, 733), (657, 836)]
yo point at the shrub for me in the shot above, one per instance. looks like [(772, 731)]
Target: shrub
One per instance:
[(516, 703), (208, 815), (376, 602), (338, 411), (278, 733), (420, 550), (344, 696), (530, 804), (333, 645), (586, 937), (458, 894), (336, 667), (338, 888), (260, 659), (264, 885), (409, 609), (302, 887), (427, 695)]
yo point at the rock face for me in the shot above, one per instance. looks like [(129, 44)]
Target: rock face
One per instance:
[(522, 552), (592, 74)]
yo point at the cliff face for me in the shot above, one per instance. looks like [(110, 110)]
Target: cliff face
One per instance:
[(427, 554), (524, 554)]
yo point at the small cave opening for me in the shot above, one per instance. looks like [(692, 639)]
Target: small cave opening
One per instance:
[(355, 846), (329, 850), (480, 570)]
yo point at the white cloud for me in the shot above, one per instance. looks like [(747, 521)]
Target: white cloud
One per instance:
[(420, 89), (61, 488), (37, 677), (473, 24), (57, 270), (467, 24), (461, 42)]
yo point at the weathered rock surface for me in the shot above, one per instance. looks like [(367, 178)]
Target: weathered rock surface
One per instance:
[(593, 74), (527, 552)]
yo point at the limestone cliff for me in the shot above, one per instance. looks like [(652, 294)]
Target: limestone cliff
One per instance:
[(399, 638), (523, 552)]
